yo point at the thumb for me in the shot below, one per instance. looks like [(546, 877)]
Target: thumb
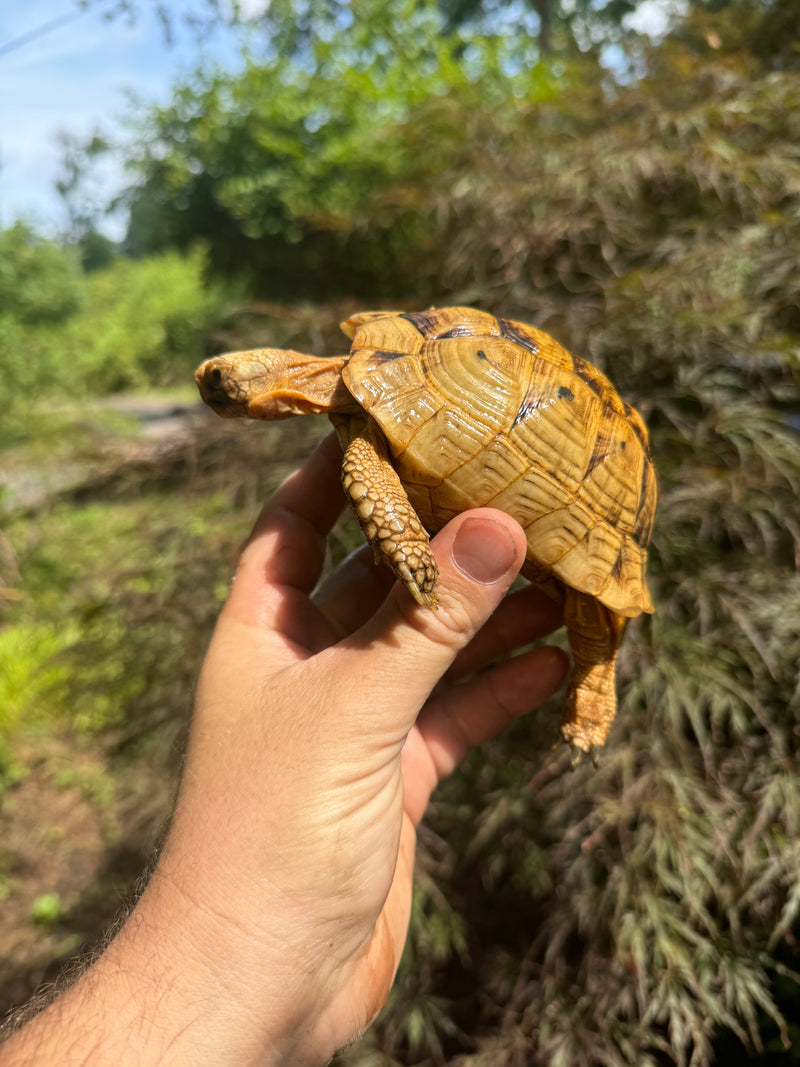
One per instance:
[(401, 653)]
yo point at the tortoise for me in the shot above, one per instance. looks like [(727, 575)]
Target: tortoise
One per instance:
[(447, 409)]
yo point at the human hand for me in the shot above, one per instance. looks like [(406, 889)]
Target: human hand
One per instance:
[(274, 922)]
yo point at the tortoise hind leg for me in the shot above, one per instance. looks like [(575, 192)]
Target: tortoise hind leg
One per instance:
[(383, 510), (594, 633)]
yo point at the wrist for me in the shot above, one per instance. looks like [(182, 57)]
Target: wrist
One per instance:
[(225, 993), (175, 987)]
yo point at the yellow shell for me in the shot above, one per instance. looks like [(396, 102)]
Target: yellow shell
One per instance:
[(480, 411)]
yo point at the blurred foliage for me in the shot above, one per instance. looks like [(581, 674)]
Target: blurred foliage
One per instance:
[(551, 25), (656, 232), (39, 280), (142, 323), (65, 334), (105, 632), (634, 914), (298, 162), (769, 29), (47, 909), (291, 26), (80, 200), (291, 166)]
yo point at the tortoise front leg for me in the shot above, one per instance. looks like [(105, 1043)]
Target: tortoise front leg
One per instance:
[(594, 633), (384, 512)]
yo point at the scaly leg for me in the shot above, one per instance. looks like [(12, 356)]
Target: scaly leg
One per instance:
[(594, 633), (383, 510)]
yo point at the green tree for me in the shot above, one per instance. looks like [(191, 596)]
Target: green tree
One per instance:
[(78, 157), (40, 289), (277, 166), (558, 26), (293, 27)]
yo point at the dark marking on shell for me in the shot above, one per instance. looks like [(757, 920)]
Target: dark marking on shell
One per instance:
[(528, 405), (512, 332), (643, 523), (616, 570), (600, 452), (637, 429), (425, 323), (464, 329), (385, 353), (565, 393), (482, 354), (613, 512), (584, 372)]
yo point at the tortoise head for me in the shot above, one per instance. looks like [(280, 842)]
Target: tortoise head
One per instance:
[(272, 383)]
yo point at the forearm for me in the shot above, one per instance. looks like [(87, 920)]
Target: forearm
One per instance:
[(154, 998)]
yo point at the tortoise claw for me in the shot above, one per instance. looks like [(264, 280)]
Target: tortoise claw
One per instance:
[(427, 600), (577, 756), (420, 583)]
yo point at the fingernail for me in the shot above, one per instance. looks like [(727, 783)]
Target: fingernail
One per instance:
[(483, 551)]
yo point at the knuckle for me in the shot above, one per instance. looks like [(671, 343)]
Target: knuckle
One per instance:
[(451, 625)]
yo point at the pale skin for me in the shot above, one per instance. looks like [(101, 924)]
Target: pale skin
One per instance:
[(272, 927)]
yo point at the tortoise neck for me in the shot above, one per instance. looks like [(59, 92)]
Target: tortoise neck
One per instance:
[(318, 381)]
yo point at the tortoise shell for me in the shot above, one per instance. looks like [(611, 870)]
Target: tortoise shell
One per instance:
[(483, 411)]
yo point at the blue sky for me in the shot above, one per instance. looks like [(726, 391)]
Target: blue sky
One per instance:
[(74, 78)]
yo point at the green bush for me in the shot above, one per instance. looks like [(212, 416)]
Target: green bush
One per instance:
[(39, 279), (142, 324), (135, 324)]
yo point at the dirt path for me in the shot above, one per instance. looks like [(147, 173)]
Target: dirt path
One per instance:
[(157, 425)]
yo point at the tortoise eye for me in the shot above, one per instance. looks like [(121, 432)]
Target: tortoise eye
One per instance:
[(216, 374)]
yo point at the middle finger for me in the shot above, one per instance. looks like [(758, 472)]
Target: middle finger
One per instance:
[(352, 592), (523, 616)]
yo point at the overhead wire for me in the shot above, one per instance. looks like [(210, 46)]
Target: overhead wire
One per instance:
[(41, 30)]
